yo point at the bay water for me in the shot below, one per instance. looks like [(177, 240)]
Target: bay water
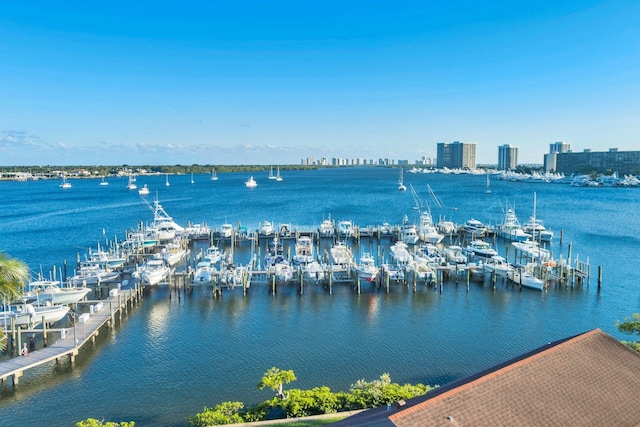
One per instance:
[(176, 353)]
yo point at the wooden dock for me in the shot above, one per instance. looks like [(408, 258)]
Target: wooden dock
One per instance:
[(85, 330)]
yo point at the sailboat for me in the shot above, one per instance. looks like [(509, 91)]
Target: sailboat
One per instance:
[(401, 185), (271, 175), (131, 185), (214, 177), (488, 191), (167, 180), (192, 181), (65, 184), (278, 177), (103, 182)]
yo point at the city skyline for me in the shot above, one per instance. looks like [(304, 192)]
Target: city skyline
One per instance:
[(254, 83)]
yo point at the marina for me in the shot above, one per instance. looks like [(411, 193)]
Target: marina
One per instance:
[(254, 288)]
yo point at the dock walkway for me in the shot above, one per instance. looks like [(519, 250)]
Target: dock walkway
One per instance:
[(86, 328)]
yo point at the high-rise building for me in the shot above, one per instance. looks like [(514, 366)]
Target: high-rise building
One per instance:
[(456, 155), (559, 147), (507, 157)]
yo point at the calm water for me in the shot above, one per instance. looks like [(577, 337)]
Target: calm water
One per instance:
[(177, 354)]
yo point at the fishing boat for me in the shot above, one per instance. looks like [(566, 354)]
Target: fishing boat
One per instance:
[(345, 229), (131, 184), (154, 271), (326, 228), (498, 265), (522, 275), (409, 232), (250, 183), (204, 273), (266, 229), (226, 231), (65, 184), (30, 315), (303, 251), (535, 227), (51, 291), (401, 185), (366, 269), (214, 177), (400, 253), (213, 254), (93, 274), (341, 254), (144, 190), (510, 228)]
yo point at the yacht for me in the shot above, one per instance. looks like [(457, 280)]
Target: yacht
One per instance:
[(341, 254), (144, 190), (52, 291), (30, 315), (498, 265), (479, 249), (400, 253), (366, 268), (154, 271), (345, 229), (474, 227), (510, 228), (250, 183), (266, 229)]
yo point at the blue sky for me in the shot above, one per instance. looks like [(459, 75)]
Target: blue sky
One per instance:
[(255, 82)]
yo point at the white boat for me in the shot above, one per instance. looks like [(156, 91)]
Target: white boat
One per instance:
[(421, 270), (409, 232), (92, 274), (313, 271), (401, 185), (303, 250), (366, 268), (278, 177), (163, 224), (474, 227), (192, 181), (345, 229), (393, 272), (131, 184), (535, 227), (198, 231), (341, 254), (173, 253), (250, 183), (204, 273), (283, 271), (427, 232), (213, 255), (454, 254), (154, 271), (488, 190), (51, 291), (479, 249), (226, 231), (103, 183), (522, 275), (532, 250), (400, 253), (266, 229), (144, 190), (498, 265), (166, 181), (326, 228), (30, 315), (214, 177), (271, 175), (65, 184), (510, 228)]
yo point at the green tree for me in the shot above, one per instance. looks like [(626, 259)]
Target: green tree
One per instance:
[(223, 413), (13, 276), (275, 378), (92, 422), (631, 326)]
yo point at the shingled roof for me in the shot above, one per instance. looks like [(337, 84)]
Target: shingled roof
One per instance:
[(587, 380)]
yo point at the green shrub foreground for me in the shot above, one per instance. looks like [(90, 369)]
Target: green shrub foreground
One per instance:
[(296, 403)]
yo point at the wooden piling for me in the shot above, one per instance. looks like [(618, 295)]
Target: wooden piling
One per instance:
[(599, 276), (44, 331)]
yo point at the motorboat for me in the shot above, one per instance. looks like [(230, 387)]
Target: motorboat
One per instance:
[(400, 253), (532, 250), (154, 271), (393, 272), (173, 253), (473, 227), (366, 268), (92, 275), (427, 231), (313, 271), (131, 184), (454, 254), (409, 232), (204, 273), (522, 275), (266, 229), (326, 228), (64, 183), (164, 225), (250, 183), (213, 255), (303, 250), (479, 249), (345, 229), (198, 231), (226, 231), (30, 315), (421, 270), (144, 190), (510, 228), (341, 254), (498, 265), (51, 291)]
